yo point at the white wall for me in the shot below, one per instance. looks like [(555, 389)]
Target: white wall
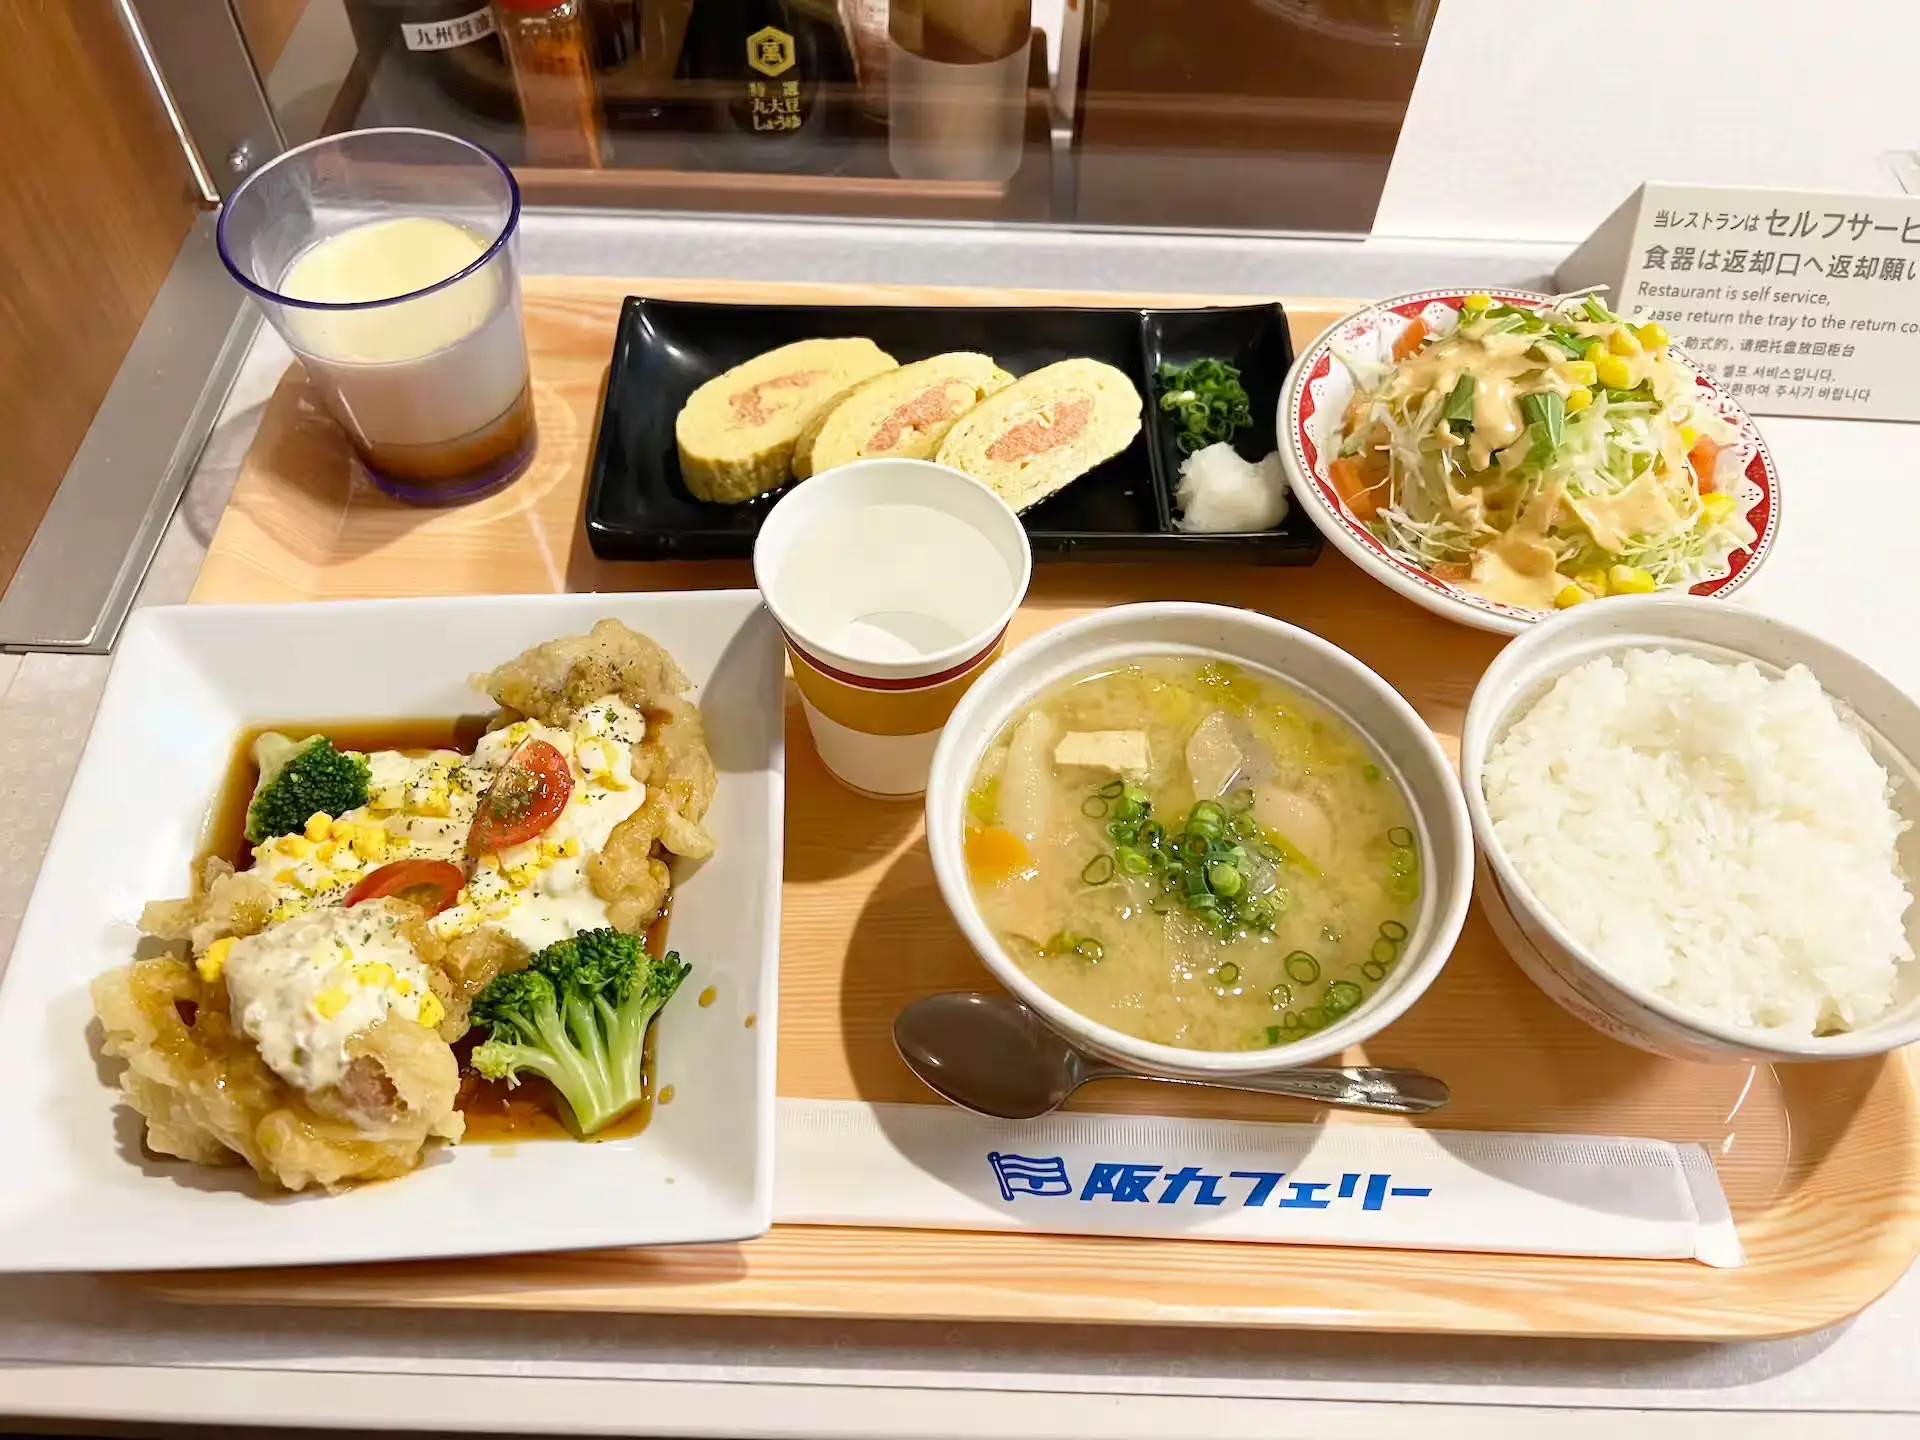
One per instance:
[(1533, 119)]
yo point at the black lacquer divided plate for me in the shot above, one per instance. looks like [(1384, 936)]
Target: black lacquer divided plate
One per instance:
[(638, 507)]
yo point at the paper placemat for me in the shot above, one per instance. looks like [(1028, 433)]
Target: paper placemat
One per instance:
[(937, 1167)]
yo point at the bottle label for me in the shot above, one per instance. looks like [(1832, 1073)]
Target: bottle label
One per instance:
[(447, 34), (770, 51)]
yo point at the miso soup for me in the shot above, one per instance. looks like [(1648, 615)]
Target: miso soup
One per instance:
[(1193, 853)]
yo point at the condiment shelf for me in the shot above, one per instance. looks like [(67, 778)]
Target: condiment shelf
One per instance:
[(1821, 1164)]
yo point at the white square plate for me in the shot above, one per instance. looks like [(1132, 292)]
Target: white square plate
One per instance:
[(82, 1194)]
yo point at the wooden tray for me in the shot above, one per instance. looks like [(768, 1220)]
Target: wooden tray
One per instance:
[(1821, 1163)]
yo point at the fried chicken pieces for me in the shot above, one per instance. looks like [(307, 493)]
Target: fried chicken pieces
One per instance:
[(199, 1080)]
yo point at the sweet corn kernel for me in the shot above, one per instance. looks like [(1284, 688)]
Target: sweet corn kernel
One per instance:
[(370, 841), (1581, 372), (1578, 399), (1614, 373), (388, 797), (1629, 580), (402, 986), (550, 849), (317, 825), (376, 973), (1594, 353), (1652, 334), (432, 1012), (435, 803), (326, 850), (341, 830), (286, 910), (1715, 508), (1569, 596), (297, 846), (570, 846), (286, 876), (213, 964), (1621, 342), (1476, 302), (330, 1002), (1688, 435), (1593, 581)]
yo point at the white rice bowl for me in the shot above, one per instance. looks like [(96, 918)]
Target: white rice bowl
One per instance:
[(1710, 833)]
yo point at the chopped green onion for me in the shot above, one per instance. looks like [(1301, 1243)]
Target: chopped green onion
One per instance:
[(1090, 949), (1393, 930), (1281, 995), (1383, 951), (1122, 833), (1151, 834), (1290, 1021), (1134, 795), (1401, 837), (1224, 880), (1242, 801), (1273, 1034), (1112, 790), (1341, 996), (1207, 399), (1313, 1019), (1208, 820), (1094, 808), (1131, 861), (1370, 772), (1459, 408), (1374, 970), (1596, 312), (1098, 871), (1228, 973), (1303, 967)]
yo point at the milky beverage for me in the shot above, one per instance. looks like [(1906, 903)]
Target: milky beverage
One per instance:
[(432, 390)]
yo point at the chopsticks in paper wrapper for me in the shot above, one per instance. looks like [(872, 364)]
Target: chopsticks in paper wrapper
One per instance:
[(938, 1167)]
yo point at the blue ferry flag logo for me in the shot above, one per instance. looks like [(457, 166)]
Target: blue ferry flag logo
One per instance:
[(1025, 1175)]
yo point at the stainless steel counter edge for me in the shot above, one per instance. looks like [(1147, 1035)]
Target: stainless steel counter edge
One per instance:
[(78, 577)]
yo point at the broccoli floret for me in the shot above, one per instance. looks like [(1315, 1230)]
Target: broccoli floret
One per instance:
[(578, 1016), (299, 777)]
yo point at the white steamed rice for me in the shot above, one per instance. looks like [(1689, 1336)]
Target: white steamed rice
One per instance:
[(1715, 835)]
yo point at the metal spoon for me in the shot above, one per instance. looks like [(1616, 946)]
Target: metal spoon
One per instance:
[(993, 1055)]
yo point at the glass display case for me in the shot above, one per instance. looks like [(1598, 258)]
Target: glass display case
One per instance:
[(1257, 115)]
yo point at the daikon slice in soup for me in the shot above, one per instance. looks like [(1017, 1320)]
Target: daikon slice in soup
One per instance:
[(1193, 853)]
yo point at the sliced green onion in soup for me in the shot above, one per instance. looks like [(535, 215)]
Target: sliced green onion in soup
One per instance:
[(1302, 967), (1131, 861), (1393, 930), (1228, 974), (1094, 808), (1224, 880), (1400, 836), (1383, 951), (1112, 790), (1098, 871), (1090, 949), (1341, 996), (1374, 970), (1281, 995)]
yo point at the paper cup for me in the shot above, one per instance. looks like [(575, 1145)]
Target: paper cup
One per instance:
[(893, 582)]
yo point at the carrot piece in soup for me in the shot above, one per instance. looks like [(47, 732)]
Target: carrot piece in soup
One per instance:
[(995, 855), (1409, 341)]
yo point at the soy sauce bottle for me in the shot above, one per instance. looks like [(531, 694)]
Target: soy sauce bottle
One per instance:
[(763, 68)]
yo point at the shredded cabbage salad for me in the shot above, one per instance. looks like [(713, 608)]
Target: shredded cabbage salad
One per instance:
[(1539, 457)]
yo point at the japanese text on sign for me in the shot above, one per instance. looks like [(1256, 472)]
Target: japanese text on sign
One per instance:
[(1797, 304), (1127, 1183)]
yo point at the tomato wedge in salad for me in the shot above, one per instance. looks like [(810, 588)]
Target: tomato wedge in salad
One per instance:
[(433, 885), (525, 798)]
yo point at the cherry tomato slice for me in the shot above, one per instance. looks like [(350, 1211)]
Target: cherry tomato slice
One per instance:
[(430, 884), (525, 798)]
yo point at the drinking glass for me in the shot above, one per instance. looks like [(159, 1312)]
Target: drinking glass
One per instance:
[(410, 331)]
